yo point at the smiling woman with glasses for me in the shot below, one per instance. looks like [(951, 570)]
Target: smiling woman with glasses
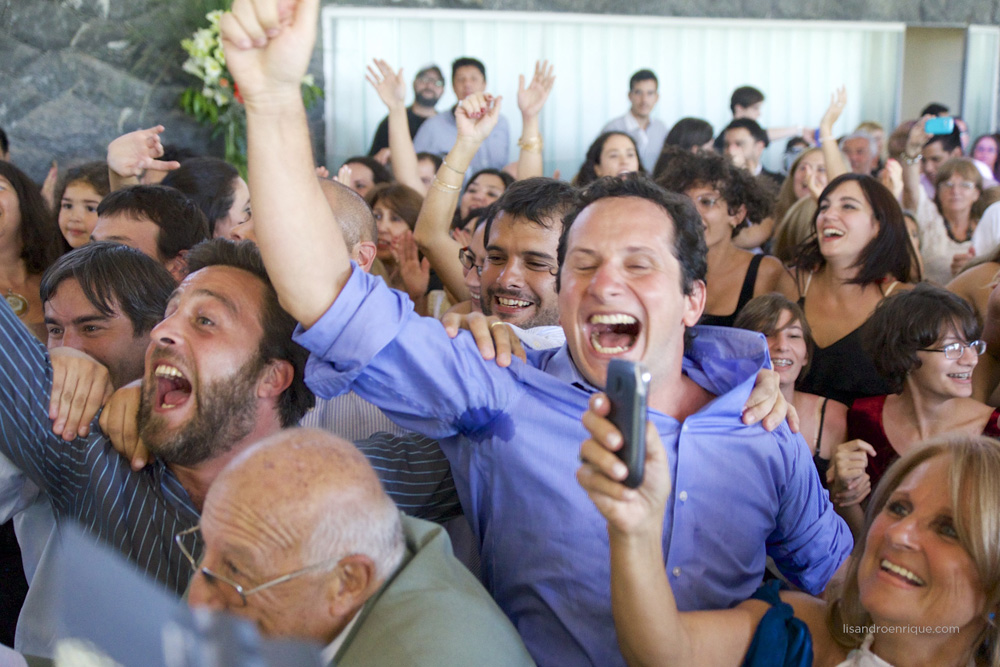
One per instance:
[(925, 343), (947, 221)]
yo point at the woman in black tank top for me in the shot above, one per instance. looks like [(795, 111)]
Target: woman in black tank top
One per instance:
[(728, 199)]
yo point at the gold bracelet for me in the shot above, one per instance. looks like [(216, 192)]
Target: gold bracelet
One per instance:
[(457, 171), (447, 187), (533, 145)]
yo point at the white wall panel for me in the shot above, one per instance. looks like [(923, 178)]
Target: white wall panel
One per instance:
[(698, 61), (979, 99)]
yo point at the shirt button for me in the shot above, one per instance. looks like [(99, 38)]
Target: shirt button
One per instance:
[(677, 572), (683, 495)]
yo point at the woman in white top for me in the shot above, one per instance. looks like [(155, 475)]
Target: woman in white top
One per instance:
[(926, 575), (946, 223)]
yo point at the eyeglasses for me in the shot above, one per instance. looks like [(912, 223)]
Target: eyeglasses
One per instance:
[(965, 185), (468, 260), (706, 202), (432, 80), (216, 579), (956, 350)]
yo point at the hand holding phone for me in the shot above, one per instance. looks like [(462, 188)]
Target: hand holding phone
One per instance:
[(627, 390)]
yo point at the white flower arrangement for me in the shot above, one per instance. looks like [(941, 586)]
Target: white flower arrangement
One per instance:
[(217, 100)]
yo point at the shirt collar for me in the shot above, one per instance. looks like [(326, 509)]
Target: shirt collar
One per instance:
[(718, 359), (330, 652)]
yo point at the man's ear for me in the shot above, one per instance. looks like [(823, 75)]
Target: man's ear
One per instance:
[(276, 377), (177, 266), (354, 581), (364, 254), (694, 303)]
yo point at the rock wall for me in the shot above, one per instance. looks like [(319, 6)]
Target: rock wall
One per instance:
[(74, 74)]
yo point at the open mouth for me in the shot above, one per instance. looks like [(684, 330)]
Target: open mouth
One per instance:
[(961, 376), (781, 363), (172, 388), (613, 333), (830, 233), (901, 572)]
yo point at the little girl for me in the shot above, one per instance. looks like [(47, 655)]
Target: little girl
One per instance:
[(77, 197)]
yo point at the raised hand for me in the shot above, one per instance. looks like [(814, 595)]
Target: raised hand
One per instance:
[(838, 100), (131, 154), (530, 100), (268, 45), (389, 85), (917, 137), (344, 175), (477, 115), (891, 177), (414, 271)]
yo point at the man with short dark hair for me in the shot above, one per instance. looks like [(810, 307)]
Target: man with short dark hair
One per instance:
[(627, 291), (101, 299), (159, 221), (428, 86), (437, 135), (221, 372), (744, 142), (746, 102), (648, 133), (521, 238)]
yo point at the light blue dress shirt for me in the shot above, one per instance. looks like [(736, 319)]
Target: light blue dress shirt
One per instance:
[(513, 436)]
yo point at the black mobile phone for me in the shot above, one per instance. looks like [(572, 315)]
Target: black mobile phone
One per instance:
[(627, 389)]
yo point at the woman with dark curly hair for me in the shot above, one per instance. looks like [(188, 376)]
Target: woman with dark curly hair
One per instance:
[(29, 242), (728, 199), (611, 154), (925, 343)]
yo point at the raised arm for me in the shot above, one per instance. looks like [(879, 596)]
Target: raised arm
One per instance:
[(530, 101), (475, 117), (268, 45), (391, 88), (911, 157), (651, 631), (834, 159)]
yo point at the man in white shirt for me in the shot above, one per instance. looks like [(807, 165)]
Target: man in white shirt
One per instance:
[(649, 133)]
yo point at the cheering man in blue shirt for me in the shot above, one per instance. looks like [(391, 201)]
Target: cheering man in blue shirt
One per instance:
[(512, 435)]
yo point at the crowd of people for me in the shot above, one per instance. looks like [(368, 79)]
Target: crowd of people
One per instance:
[(368, 411)]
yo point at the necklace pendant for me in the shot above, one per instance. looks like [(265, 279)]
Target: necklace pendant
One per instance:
[(16, 302)]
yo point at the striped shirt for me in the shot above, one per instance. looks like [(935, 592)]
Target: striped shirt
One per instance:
[(139, 513)]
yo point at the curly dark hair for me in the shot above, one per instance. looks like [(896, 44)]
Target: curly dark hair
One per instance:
[(41, 241), (914, 320), (683, 170)]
